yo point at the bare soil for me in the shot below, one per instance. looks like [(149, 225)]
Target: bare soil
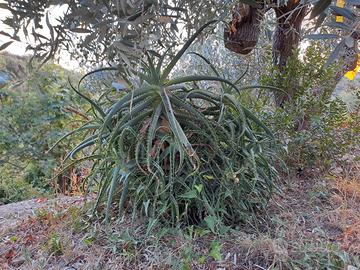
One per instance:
[(12, 214)]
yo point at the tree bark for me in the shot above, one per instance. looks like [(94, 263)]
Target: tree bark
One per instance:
[(286, 39), (242, 34)]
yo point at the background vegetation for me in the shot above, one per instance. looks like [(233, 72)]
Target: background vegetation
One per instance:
[(35, 112)]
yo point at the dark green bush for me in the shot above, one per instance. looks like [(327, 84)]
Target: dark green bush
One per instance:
[(315, 127)]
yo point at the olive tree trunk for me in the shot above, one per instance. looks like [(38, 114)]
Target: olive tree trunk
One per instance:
[(242, 35)]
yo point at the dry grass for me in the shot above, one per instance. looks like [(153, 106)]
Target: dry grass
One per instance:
[(346, 201), (314, 224)]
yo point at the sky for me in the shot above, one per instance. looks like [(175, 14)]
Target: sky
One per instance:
[(19, 48)]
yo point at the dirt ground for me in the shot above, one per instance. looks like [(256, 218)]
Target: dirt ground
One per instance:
[(11, 215)]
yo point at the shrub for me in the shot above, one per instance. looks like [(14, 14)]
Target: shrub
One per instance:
[(315, 127)]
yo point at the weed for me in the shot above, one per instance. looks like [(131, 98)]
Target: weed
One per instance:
[(42, 213), (55, 245), (215, 250), (325, 256), (13, 239), (78, 222)]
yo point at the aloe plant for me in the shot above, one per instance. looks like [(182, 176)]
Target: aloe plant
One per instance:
[(174, 152)]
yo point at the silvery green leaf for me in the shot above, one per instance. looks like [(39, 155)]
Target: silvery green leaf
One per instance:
[(321, 36), (347, 13), (349, 42), (334, 54)]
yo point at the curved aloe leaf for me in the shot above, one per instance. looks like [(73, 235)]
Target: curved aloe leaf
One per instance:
[(75, 162), (193, 78), (124, 192), (151, 133), (177, 57), (113, 183), (207, 62), (94, 104), (96, 71), (82, 128), (177, 129)]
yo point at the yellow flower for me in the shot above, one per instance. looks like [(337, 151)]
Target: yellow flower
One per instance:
[(352, 73), (340, 3)]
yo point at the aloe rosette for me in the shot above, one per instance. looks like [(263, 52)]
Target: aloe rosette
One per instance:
[(174, 152)]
